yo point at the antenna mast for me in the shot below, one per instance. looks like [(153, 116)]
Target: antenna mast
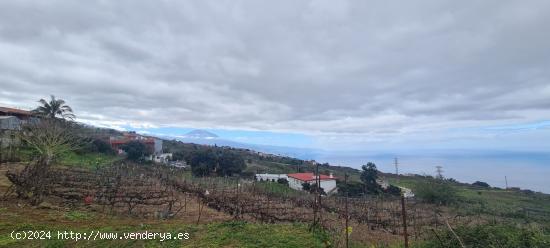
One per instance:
[(506, 181), (396, 163), (439, 171)]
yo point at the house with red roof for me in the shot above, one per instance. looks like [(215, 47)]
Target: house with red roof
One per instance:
[(154, 145), (328, 182)]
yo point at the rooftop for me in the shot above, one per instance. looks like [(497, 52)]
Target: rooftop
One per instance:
[(7, 110), (308, 176)]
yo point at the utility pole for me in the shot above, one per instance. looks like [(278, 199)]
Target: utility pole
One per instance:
[(318, 180), (439, 171), (404, 215), (347, 213), (315, 198), (506, 181)]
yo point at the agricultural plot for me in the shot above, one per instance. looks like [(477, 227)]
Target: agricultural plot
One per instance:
[(158, 192)]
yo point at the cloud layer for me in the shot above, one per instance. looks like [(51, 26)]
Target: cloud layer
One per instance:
[(358, 69)]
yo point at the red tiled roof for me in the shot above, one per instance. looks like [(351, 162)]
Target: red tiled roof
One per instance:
[(309, 176), (15, 111)]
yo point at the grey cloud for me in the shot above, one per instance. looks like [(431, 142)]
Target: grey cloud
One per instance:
[(305, 66)]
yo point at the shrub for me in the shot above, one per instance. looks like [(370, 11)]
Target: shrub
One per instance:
[(282, 181), (306, 186), (219, 162), (135, 150), (393, 190), (353, 189), (481, 184), (489, 235), (436, 191)]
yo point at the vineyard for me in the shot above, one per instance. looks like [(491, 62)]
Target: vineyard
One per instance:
[(166, 193)]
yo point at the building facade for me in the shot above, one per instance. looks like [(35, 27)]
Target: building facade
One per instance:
[(270, 177), (327, 182), (295, 180)]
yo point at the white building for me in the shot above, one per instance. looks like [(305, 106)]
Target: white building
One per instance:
[(178, 164), (270, 177), (407, 192), (328, 183), (9, 123), (163, 158)]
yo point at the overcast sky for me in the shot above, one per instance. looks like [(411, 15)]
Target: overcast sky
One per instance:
[(345, 74)]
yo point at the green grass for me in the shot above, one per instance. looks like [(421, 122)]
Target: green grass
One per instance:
[(227, 234), (87, 160), (269, 167), (278, 189), (513, 205), (78, 215), (489, 235)]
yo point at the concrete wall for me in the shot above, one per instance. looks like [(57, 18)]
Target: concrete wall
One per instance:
[(9, 123), (295, 183), (270, 177), (328, 185)]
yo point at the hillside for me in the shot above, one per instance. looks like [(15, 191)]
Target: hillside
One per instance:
[(95, 191), (512, 205)]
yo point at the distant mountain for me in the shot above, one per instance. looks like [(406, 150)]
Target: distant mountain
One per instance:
[(203, 137), (200, 134)]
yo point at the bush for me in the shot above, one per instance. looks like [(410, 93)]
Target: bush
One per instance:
[(202, 162), (489, 235), (218, 162), (282, 181), (306, 186), (313, 189), (96, 146), (436, 191), (353, 189), (481, 184), (393, 190), (135, 150)]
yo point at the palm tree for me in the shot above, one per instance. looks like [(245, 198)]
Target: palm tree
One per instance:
[(54, 108)]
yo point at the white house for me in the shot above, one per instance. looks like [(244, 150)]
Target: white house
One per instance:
[(178, 164), (328, 183), (163, 158), (407, 192), (270, 177)]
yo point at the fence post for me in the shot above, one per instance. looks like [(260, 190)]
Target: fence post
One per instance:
[(404, 214)]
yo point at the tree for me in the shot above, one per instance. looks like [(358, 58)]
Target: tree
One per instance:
[(229, 163), (179, 155), (368, 177), (48, 139), (220, 162), (135, 150), (203, 162), (481, 184), (54, 108)]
